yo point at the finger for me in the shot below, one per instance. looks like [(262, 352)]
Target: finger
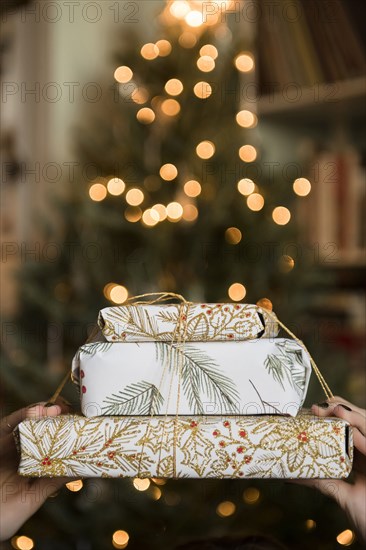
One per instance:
[(329, 404), (38, 410), (356, 419), (327, 408), (359, 441)]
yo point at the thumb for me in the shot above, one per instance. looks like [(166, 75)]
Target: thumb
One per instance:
[(336, 489)]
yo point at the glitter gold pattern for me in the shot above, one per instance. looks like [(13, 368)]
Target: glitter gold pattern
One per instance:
[(217, 447)]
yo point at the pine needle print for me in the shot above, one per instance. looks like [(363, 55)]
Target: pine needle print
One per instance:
[(142, 398), (287, 365), (92, 349)]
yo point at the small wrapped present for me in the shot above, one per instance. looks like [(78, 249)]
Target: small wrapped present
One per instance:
[(193, 447), (188, 321), (252, 377)]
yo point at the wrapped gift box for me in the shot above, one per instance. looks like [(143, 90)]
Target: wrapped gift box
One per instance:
[(193, 322), (251, 377), (195, 447)]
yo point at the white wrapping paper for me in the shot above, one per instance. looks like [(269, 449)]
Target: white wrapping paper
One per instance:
[(249, 377)]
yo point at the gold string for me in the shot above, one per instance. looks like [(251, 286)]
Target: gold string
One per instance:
[(320, 377), (59, 389)]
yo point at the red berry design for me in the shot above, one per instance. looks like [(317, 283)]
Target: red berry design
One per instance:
[(203, 306), (193, 424), (342, 459), (222, 443), (183, 317), (46, 461), (209, 311), (82, 374), (243, 433), (237, 306), (241, 474), (226, 423), (83, 389), (247, 459), (216, 433), (226, 309), (302, 437), (111, 454), (74, 452), (231, 336), (240, 450)]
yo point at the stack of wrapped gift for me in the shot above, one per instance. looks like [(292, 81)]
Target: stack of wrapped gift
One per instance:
[(189, 390)]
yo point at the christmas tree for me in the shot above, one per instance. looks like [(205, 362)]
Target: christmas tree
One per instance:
[(180, 199)]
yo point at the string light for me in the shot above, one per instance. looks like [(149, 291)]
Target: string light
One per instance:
[(281, 215), (174, 87), (179, 9), (97, 192), (255, 202), (244, 62), (140, 95), (202, 90), (123, 74), (170, 107), (22, 543), (190, 212), (205, 64), (346, 538), (205, 149), (133, 214), (149, 51), (210, 50), (164, 47), (187, 39), (246, 119), (168, 172), (247, 153), (233, 235), (161, 211), (116, 186), (246, 186), (141, 484), (225, 509), (145, 115), (174, 211), (192, 188), (134, 196), (120, 539), (310, 524), (286, 263), (118, 294), (251, 495), (75, 486), (236, 292), (302, 187), (194, 18), (150, 217)]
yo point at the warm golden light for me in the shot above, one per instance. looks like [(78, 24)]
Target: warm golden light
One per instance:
[(179, 9), (190, 212), (248, 153), (161, 211), (134, 197), (75, 486), (187, 39), (141, 484), (192, 188), (120, 539), (205, 149), (225, 509), (174, 87), (170, 107), (246, 119), (174, 211), (251, 495), (202, 90), (205, 64), (244, 62), (133, 214), (140, 95), (107, 290), (22, 543), (118, 294), (145, 115), (168, 172), (194, 18), (116, 186), (346, 538), (164, 47), (159, 480), (150, 217), (281, 215), (157, 101), (97, 192), (123, 74), (302, 187), (286, 263), (149, 51), (210, 50), (246, 186), (233, 235), (156, 493), (310, 524), (236, 292), (255, 202)]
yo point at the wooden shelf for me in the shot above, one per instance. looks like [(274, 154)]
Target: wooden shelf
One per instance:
[(314, 99)]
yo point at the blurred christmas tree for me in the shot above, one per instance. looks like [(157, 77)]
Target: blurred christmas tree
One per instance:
[(180, 199)]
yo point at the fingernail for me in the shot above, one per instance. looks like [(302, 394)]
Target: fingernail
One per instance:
[(346, 407), (324, 405)]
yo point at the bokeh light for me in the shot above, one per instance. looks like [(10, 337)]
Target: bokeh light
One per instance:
[(123, 74), (205, 149), (236, 292), (164, 47), (141, 484), (174, 211), (246, 119), (205, 63), (133, 214), (202, 90), (255, 202), (134, 197), (168, 172), (346, 538), (179, 9), (190, 212), (97, 192), (118, 294), (225, 509), (192, 188), (247, 153), (244, 62), (187, 39), (246, 186), (251, 495), (75, 486), (161, 211), (194, 18), (302, 187), (22, 543), (116, 186), (233, 235), (281, 215), (150, 217), (140, 95), (310, 524), (170, 107), (174, 87), (120, 539), (145, 115), (149, 51), (210, 50), (286, 263)]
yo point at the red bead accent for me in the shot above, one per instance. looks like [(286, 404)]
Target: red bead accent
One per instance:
[(83, 389), (226, 423), (240, 450), (222, 444), (216, 433), (243, 433), (82, 374)]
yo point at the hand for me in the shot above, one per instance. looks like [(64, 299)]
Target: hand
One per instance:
[(22, 496), (351, 497)]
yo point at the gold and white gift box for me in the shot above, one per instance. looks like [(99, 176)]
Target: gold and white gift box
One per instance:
[(190, 447), (259, 376), (189, 321)]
